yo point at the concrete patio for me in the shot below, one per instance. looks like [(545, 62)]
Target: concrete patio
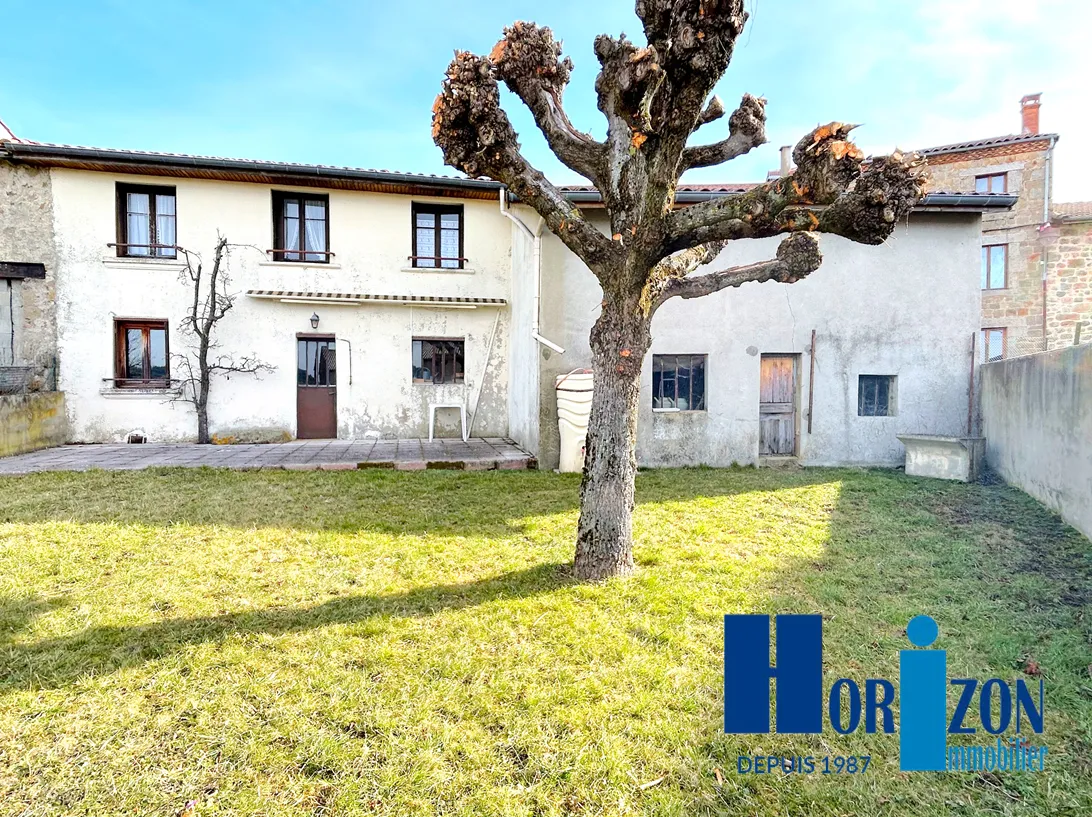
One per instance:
[(476, 454)]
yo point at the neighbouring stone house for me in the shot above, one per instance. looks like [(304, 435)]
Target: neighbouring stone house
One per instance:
[(380, 296), (1031, 298), (1069, 284)]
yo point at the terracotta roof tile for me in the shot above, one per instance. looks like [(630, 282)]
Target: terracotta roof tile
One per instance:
[(1073, 211), (993, 141)]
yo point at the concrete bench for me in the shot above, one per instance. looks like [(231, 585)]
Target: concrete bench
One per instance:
[(958, 458)]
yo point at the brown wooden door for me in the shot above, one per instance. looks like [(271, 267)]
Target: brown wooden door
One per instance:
[(777, 406), (316, 388)]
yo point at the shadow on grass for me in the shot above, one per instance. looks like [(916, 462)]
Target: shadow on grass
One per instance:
[(55, 662)]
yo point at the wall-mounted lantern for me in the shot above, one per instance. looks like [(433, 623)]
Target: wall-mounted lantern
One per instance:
[(314, 320)]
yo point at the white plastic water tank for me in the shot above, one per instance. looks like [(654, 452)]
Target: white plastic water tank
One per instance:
[(574, 398)]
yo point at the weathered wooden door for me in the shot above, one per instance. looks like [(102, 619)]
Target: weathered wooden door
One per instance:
[(777, 406), (316, 388)]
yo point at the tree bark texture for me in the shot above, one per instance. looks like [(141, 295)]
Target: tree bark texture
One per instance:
[(654, 97), (619, 340)]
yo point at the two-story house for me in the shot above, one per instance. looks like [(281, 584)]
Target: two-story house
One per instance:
[(377, 296), (1019, 264)]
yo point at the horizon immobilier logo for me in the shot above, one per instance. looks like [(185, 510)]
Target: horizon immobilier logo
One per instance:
[(924, 723)]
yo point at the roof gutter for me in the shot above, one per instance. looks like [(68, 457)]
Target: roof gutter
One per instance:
[(29, 151)]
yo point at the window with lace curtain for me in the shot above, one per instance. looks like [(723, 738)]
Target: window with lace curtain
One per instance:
[(438, 236), (146, 221), (301, 227)]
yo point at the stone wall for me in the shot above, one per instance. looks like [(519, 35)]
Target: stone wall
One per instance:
[(1069, 283), (1019, 307), (26, 234), (1037, 419), (31, 421)]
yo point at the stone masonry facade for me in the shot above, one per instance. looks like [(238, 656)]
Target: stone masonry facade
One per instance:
[(28, 314), (1018, 306), (1069, 282)]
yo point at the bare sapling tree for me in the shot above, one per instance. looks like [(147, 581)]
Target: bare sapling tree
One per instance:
[(654, 97), (211, 303)]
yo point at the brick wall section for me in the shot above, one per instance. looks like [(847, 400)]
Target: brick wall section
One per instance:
[(1069, 283), (26, 234), (31, 421), (1019, 307)]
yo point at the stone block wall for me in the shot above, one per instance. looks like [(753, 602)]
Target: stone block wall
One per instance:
[(1069, 284), (28, 317)]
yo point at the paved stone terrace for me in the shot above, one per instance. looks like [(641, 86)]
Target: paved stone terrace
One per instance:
[(477, 454)]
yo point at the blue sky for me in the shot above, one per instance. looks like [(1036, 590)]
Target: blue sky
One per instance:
[(352, 83)]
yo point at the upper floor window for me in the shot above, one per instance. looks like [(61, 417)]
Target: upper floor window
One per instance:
[(141, 354), (993, 183), (301, 227), (437, 360), (995, 266), (993, 344), (438, 236), (678, 382), (146, 221)]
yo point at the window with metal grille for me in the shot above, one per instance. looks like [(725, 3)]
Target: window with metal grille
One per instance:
[(992, 183), (316, 363), (995, 266), (876, 395), (301, 227), (993, 345), (140, 354), (678, 382), (146, 221), (437, 360), (438, 236)]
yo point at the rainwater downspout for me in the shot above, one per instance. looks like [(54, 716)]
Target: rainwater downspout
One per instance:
[(1046, 223), (536, 239)]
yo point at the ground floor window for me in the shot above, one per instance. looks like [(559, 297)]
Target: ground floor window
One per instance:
[(993, 344), (141, 356), (437, 360), (876, 395), (678, 382)]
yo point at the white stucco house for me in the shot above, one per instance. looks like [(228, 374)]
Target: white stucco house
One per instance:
[(377, 295)]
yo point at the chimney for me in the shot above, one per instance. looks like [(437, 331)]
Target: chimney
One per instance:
[(786, 160), (1029, 111)]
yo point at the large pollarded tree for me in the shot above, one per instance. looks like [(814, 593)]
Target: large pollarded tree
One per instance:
[(654, 98)]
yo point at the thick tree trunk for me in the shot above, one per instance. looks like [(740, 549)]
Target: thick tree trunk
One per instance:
[(604, 545)]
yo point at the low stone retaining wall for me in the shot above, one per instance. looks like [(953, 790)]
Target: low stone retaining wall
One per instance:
[(31, 421)]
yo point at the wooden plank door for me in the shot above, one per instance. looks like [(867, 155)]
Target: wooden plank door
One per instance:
[(777, 406), (316, 388)]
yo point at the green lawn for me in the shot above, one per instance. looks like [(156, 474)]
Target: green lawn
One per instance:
[(370, 642)]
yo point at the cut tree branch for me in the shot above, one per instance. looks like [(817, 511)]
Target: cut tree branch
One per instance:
[(828, 192), (529, 62), (477, 138), (797, 256), (746, 130)]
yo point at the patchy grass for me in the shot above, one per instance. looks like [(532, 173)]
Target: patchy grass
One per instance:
[(385, 643)]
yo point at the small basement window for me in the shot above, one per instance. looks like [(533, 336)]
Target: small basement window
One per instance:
[(678, 382), (436, 360), (876, 395)]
